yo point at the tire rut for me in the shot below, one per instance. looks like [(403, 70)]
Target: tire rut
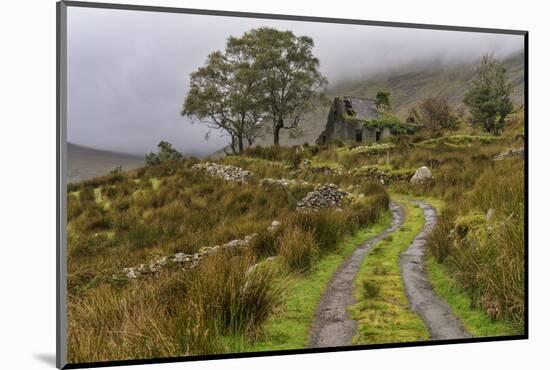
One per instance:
[(435, 312), (332, 326)]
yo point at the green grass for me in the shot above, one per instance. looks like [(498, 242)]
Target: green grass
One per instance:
[(290, 328), (385, 317), (477, 322), (100, 199), (155, 183)]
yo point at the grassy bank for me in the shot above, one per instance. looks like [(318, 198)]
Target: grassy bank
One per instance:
[(382, 309), (476, 321), (290, 328)]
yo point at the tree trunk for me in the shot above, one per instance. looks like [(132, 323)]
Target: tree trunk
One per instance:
[(276, 131), (241, 145)]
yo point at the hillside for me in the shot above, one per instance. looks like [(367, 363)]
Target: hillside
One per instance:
[(251, 254), (409, 86), (86, 163)]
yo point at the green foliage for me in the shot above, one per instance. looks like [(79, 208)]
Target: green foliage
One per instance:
[(383, 104), (488, 95), (387, 120), (289, 76), (165, 153), (226, 94)]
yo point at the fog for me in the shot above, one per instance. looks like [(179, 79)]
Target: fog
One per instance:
[(128, 71)]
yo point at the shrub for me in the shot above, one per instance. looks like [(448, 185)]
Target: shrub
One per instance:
[(165, 154)]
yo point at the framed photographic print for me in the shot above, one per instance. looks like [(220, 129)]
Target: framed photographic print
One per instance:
[(236, 184)]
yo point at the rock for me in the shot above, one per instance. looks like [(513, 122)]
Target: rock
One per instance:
[(185, 261), (306, 163), (282, 182), (229, 173), (422, 175), (511, 153), (324, 196), (274, 226), (130, 273)]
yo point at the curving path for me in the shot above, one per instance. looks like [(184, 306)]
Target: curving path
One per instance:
[(435, 312), (332, 326)]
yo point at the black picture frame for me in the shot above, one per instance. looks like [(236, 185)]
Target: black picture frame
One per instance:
[(61, 194)]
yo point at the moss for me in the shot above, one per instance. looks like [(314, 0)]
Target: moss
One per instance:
[(470, 222), (382, 308), (459, 141)]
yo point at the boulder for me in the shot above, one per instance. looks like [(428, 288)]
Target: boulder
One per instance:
[(422, 175)]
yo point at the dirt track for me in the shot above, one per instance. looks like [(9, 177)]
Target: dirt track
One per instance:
[(332, 326), (436, 313)]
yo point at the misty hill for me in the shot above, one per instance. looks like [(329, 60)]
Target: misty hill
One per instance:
[(409, 86), (85, 163)]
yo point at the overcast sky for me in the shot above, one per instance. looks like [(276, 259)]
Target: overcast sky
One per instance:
[(128, 71)]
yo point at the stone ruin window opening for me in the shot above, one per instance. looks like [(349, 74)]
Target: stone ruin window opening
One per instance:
[(358, 136), (378, 135)]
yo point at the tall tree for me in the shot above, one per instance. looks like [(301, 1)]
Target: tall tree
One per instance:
[(488, 95), (291, 81), (225, 94)]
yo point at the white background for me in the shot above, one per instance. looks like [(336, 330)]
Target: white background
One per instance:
[(27, 182)]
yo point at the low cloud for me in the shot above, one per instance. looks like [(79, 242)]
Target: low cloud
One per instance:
[(128, 71)]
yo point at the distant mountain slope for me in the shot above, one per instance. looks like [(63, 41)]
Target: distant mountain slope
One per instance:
[(85, 163), (409, 86)]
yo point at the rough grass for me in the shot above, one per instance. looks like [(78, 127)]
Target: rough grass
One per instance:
[(175, 314), (480, 238), (290, 327), (476, 321), (297, 249), (219, 307), (382, 309)]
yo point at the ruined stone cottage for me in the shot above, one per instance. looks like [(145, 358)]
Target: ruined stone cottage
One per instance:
[(355, 119)]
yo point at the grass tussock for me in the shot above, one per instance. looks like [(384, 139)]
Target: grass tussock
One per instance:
[(481, 239), (175, 314), (222, 305), (297, 250)]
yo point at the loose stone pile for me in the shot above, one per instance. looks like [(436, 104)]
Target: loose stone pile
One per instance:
[(324, 196), (186, 261), (282, 182), (511, 153), (229, 173), (327, 170)]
